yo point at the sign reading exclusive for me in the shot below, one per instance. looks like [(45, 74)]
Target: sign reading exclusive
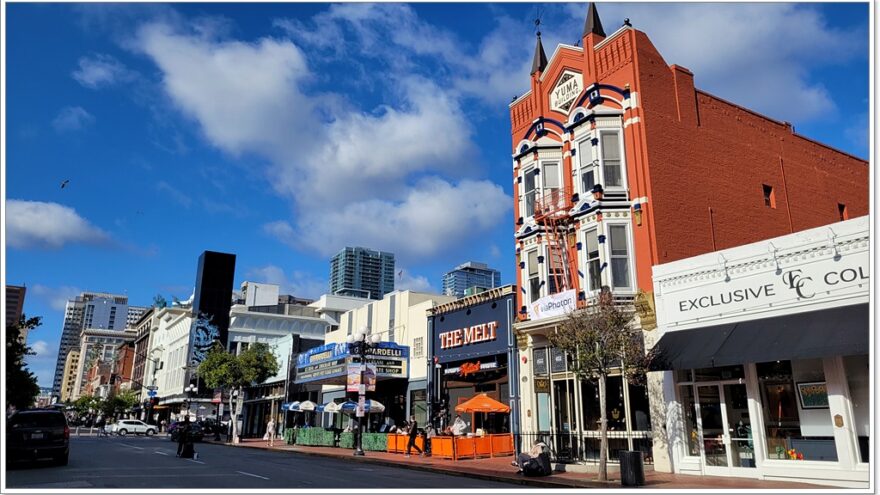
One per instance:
[(817, 280)]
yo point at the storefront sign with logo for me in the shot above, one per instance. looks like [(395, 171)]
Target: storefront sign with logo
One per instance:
[(567, 89), (474, 334), (766, 279), (466, 369), (553, 305), (542, 385), (330, 364)]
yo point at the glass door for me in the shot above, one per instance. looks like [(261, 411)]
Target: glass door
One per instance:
[(712, 427), (725, 429)]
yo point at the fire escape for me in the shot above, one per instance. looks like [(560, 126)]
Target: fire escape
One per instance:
[(552, 212)]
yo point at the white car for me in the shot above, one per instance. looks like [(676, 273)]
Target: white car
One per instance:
[(125, 426)]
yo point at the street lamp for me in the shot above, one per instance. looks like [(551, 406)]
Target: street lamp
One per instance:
[(358, 344), (189, 390)]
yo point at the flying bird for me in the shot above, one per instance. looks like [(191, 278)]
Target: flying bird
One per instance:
[(64, 184)]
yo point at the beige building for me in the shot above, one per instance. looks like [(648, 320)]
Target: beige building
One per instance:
[(71, 364), (399, 317)]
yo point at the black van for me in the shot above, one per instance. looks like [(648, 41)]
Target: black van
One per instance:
[(38, 433)]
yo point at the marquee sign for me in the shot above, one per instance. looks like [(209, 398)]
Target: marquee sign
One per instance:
[(473, 334), (329, 363), (566, 91)]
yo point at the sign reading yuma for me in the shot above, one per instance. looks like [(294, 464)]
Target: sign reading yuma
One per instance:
[(567, 89)]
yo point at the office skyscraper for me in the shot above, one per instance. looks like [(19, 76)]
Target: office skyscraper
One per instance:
[(14, 305), (468, 275), (87, 310), (362, 272)]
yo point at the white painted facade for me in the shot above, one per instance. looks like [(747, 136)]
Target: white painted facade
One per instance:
[(259, 294), (826, 268), (331, 308), (170, 345), (246, 327)]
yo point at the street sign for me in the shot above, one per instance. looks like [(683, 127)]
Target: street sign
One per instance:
[(152, 393), (152, 387)]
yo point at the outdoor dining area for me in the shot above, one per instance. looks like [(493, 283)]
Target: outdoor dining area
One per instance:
[(478, 443), (310, 435)]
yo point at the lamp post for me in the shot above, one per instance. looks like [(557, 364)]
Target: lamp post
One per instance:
[(189, 390), (358, 344)]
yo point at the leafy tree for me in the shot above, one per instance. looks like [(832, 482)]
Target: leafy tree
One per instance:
[(224, 370), (599, 340), (118, 403), (21, 384), (83, 404)]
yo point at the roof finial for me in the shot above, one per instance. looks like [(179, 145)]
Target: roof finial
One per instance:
[(593, 25)]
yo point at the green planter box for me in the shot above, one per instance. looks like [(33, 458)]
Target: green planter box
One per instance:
[(346, 440), (289, 436), (376, 442), (315, 437)]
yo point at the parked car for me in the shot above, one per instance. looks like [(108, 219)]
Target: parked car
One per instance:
[(125, 426), (196, 431), (38, 433)]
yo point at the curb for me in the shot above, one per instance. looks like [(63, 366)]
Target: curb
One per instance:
[(519, 480)]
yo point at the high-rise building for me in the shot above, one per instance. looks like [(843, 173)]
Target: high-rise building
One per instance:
[(68, 380), (96, 310), (362, 272), (15, 305), (468, 276), (213, 295), (134, 314), (97, 347)]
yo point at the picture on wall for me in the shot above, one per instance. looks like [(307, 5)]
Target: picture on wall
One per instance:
[(813, 395)]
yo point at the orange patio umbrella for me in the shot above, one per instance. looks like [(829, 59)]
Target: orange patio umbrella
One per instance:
[(481, 403)]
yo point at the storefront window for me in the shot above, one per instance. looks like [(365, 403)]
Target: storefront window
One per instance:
[(418, 405), (689, 414), (795, 407), (615, 410), (858, 381), (717, 374), (557, 360), (639, 410), (563, 392), (539, 361), (543, 412)]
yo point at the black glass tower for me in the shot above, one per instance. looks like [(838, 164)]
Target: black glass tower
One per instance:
[(213, 295)]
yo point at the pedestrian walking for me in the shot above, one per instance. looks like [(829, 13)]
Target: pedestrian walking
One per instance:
[(430, 433), (270, 433), (163, 427), (413, 432), (185, 447)]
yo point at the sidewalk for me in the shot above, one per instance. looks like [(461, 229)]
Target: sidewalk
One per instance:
[(499, 469)]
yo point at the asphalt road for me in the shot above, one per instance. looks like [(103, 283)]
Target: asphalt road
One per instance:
[(141, 462)]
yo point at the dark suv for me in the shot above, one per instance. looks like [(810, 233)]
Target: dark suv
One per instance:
[(38, 433)]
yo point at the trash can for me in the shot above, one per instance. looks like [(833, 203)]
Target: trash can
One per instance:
[(632, 468)]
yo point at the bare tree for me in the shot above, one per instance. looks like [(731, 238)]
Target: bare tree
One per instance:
[(600, 340)]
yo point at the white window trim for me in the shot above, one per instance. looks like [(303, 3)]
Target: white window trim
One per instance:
[(522, 189), (542, 175), (633, 287), (542, 276), (584, 260), (585, 147), (621, 150)]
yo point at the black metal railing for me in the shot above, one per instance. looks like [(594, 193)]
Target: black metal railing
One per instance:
[(584, 447)]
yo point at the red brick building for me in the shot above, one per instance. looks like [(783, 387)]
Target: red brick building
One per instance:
[(620, 163), (122, 367)]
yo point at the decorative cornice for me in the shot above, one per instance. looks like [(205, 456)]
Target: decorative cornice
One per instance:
[(474, 300)]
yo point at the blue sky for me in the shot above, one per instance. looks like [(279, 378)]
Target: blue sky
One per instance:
[(283, 132)]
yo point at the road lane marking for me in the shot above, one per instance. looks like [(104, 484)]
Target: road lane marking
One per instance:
[(251, 474), (160, 453), (193, 460), (132, 446)]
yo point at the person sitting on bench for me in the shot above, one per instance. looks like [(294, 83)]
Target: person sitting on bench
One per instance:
[(534, 463)]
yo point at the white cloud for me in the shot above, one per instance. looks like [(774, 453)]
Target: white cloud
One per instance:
[(299, 283), (100, 71), (756, 54), (334, 160), (72, 119), (40, 348), (409, 281), (57, 297), (48, 225), (434, 217)]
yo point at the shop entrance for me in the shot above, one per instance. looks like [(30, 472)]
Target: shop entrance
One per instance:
[(724, 425)]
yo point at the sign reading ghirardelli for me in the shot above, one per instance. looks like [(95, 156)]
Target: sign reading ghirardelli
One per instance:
[(568, 88), (553, 305)]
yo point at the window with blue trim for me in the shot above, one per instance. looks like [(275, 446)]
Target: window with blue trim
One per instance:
[(529, 182)]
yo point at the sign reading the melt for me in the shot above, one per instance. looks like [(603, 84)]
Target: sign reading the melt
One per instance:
[(473, 334)]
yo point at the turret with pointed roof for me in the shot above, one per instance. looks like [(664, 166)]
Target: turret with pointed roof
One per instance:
[(539, 63), (593, 25)]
